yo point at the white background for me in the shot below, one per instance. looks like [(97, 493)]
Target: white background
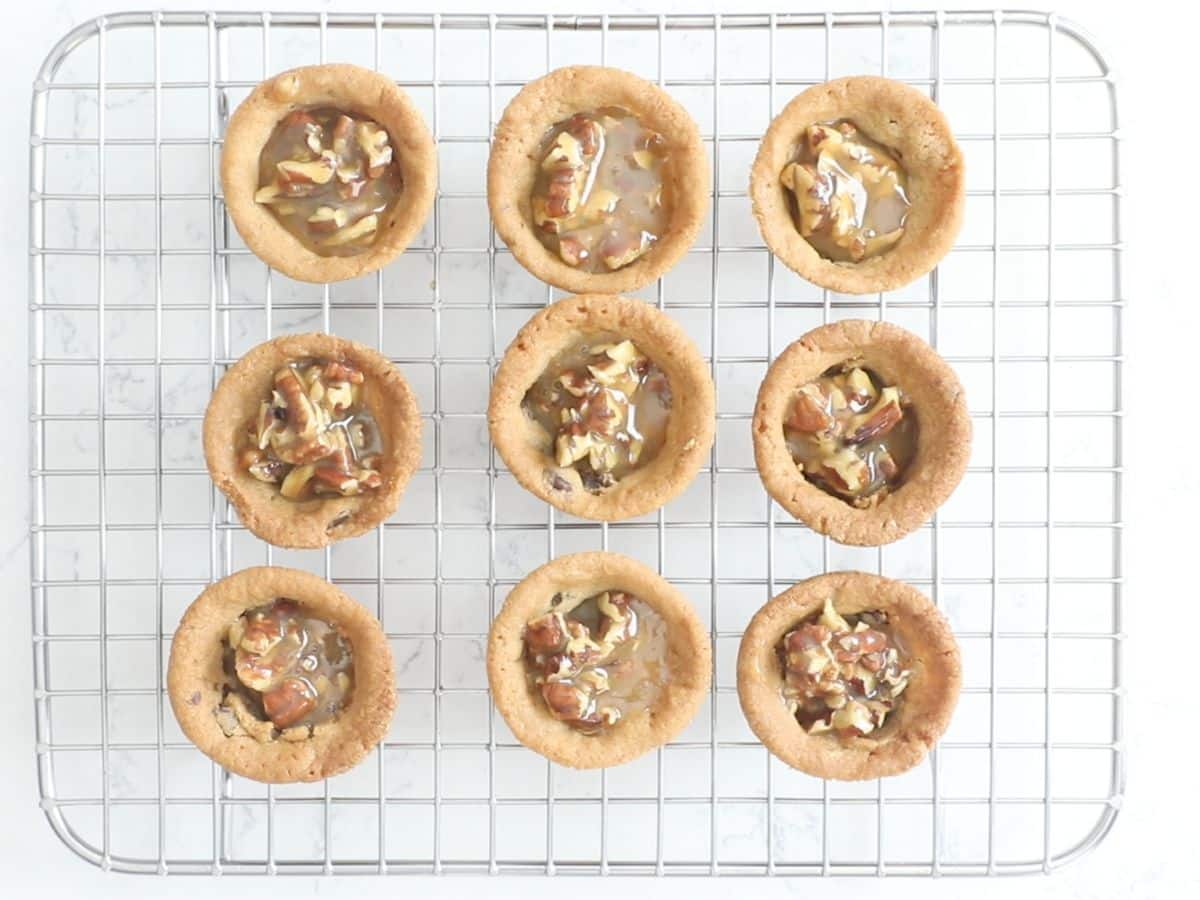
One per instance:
[(1150, 852)]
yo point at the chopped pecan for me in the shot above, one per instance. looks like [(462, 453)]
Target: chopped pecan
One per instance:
[(343, 482), (573, 251), (808, 411), (327, 219), (620, 250), (581, 649), (807, 636), (546, 633), (565, 701), (260, 633), (292, 171), (296, 483), (879, 420), (290, 702), (358, 231), (342, 129), (587, 131), (859, 389), (301, 417), (339, 370), (257, 671), (375, 144)]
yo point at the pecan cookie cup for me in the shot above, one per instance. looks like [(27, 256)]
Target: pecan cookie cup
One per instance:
[(849, 676), (595, 660), (603, 407), (861, 431), (859, 185), (278, 676), (328, 172), (597, 180), (312, 438)]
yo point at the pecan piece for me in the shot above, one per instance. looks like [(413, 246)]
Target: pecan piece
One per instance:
[(260, 633), (296, 483), (617, 251), (365, 226), (565, 701), (587, 131), (301, 417), (859, 389), (807, 636), (872, 641), (375, 144), (291, 171), (879, 420), (342, 482), (339, 370), (327, 219), (290, 702), (572, 251), (581, 650), (341, 134), (808, 411), (545, 634), (258, 672)]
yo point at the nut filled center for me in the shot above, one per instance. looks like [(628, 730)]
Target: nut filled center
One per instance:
[(314, 435), (599, 198), (596, 659), (849, 193), (842, 673), (286, 671), (330, 178), (605, 407)]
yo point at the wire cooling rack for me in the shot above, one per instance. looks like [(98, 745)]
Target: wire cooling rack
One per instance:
[(141, 294)]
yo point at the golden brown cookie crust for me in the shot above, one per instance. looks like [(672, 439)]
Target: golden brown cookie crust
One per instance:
[(352, 89), (195, 678), (897, 116), (689, 661), (513, 165), (315, 522), (528, 451), (943, 423), (921, 716)]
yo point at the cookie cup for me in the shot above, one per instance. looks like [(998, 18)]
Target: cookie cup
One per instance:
[(899, 117), (513, 167), (937, 401), (319, 521), (922, 713), (352, 89), (689, 662), (527, 449), (195, 677)]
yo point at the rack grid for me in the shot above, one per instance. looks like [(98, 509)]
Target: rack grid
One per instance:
[(141, 294)]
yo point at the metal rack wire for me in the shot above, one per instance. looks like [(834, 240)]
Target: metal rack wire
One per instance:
[(141, 294)]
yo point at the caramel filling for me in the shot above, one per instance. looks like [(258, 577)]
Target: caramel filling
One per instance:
[(285, 672), (329, 178), (596, 660), (850, 435), (850, 193), (843, 674), (605, 406), (314, 436), (599, 199)]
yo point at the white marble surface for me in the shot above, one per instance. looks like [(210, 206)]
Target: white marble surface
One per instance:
[(1146, 854)]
